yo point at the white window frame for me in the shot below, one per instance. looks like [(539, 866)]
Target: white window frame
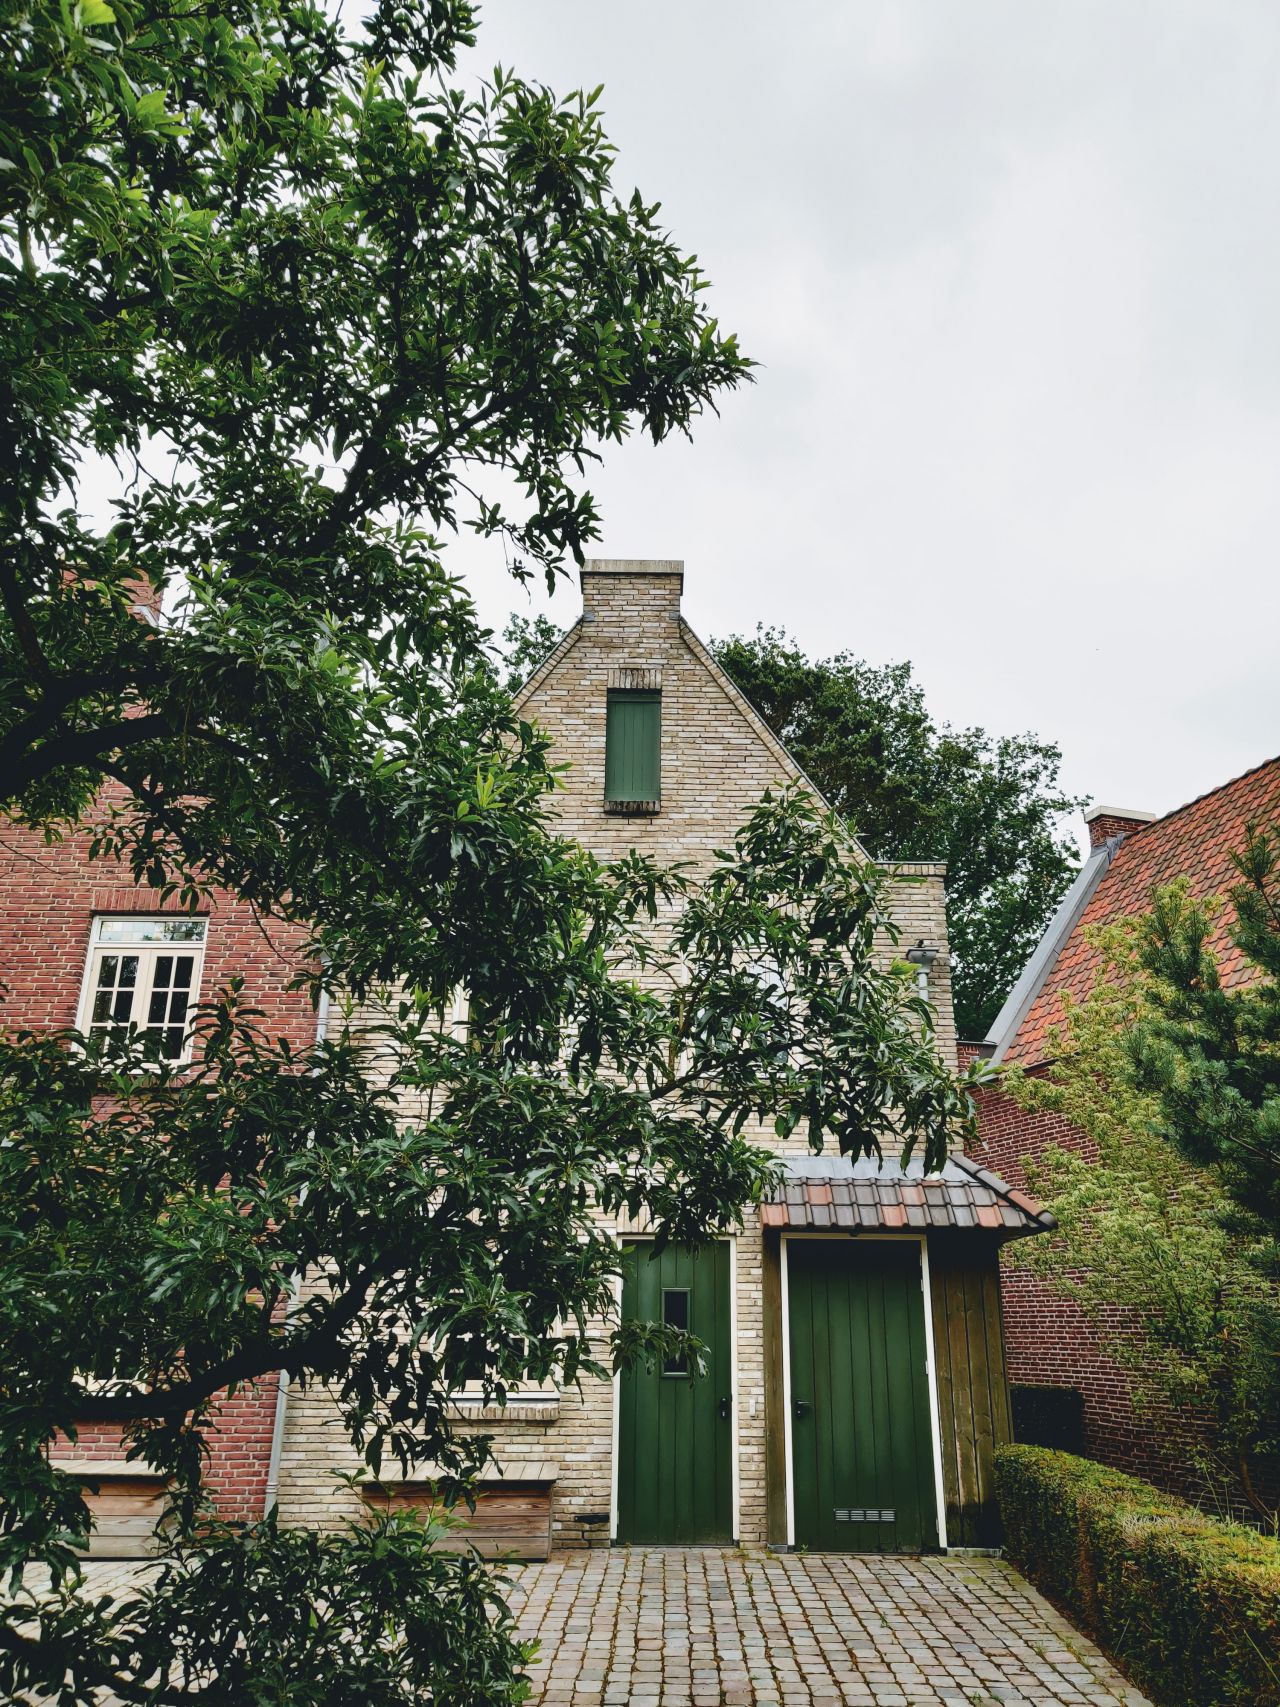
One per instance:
[(101, 945)]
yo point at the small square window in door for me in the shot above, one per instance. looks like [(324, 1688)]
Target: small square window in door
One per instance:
[(675, 1314)]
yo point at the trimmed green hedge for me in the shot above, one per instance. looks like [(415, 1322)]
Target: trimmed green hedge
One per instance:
[(1190, 1607)]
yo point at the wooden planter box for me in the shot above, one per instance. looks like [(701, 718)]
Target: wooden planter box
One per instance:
[(126, 1507), (513, 1510)]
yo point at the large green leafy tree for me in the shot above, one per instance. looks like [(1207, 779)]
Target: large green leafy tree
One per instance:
[(311, 297)]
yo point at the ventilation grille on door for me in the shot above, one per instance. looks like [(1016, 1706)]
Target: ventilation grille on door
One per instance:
[(860, 1514)]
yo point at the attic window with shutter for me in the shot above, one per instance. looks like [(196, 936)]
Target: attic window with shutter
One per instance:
[(633, 750)]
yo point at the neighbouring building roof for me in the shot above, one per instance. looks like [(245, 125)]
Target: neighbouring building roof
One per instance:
[(1194, 841), (863, 1195)]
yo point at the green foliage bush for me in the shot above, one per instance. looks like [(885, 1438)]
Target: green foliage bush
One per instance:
[(1188, 1605)]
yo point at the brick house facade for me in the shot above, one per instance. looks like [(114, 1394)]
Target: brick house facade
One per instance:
[(53, 901), (1067, 1390), (634, 702)]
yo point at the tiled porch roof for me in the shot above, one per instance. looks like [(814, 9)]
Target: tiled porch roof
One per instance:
[(844, 1194)]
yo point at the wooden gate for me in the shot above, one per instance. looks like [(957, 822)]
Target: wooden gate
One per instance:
[(675, 1427), (861, 1436)]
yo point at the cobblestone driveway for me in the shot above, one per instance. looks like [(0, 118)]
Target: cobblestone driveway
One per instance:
[(675, 1628)]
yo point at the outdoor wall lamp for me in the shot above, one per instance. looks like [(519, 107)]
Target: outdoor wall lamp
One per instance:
[(922, 956)]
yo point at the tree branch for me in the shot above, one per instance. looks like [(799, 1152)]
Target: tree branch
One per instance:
[(20, 617), (262, 1356), (82, 746), (61, 692)]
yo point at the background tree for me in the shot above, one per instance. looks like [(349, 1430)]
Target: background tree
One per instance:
[(1149, 1243), (307, 295), (527, 642), (991, 807)]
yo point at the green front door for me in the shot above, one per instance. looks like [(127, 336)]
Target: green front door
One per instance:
[(675, 1428), (861, 1441)]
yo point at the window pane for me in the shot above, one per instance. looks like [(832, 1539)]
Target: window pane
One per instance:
[(108, 970), (675, 1314), (151, 930), (633, 745), (170, 997), (128, 969)]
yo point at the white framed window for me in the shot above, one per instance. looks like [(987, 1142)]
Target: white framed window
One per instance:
[(530, 1393), (143, 979)]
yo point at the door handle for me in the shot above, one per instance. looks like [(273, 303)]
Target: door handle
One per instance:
[(801, 1407), (724, 1409)]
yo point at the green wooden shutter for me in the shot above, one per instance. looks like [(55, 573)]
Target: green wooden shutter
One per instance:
[(633, 745)]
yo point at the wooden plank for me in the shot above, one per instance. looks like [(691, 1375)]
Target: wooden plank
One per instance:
[(944, 1375), (1001, 1401), (981, 1494), (965, 1445), (514, 1519), (973, 1401)]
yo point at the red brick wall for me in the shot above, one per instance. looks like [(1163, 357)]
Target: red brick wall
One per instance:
[(48, 897), (239, 1449), (1050, 1341)]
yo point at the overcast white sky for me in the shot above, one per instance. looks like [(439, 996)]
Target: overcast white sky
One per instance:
[(1013, 274)]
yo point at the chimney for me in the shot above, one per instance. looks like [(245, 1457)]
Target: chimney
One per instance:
[(630, 592), (1107, 821)]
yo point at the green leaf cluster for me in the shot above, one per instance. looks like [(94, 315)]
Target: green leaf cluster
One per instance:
[(990, 807), (377, 1612), (1188, 1605), (320, 303)]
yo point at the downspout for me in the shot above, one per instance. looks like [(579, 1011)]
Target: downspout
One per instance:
[(282, 1383)]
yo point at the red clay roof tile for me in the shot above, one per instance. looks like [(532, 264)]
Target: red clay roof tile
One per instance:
[(1194, 841)]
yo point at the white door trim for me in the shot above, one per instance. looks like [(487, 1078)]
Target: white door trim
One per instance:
[(935, 1412), (617, 1421), (736, 1482), (935, 1428), (786, 1398)]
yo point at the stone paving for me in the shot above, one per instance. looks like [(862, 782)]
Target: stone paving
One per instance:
[(672, 1627), (701, 1628)]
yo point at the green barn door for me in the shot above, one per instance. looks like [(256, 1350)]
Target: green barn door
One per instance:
[(675, 1429), (861, 1441)]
